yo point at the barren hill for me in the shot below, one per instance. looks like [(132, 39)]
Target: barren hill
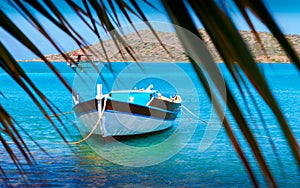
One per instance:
[(148, 49)]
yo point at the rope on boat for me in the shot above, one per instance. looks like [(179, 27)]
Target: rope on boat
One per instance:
[(95, 126), (194, 115)]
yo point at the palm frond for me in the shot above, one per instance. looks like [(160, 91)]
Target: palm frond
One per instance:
[(180, 16), (9, 65), (11, 28), (10, 131), (236, 51)]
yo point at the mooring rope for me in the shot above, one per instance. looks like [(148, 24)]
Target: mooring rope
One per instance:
[(194, 115), (95, 126), (186, 115)]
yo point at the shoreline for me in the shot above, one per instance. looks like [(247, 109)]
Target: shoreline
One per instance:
[(220, 62)]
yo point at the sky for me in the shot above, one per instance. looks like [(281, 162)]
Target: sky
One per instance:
[(286, 13)]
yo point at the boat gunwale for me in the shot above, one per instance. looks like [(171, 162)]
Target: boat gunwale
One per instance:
[(113, 99), (146, 107)]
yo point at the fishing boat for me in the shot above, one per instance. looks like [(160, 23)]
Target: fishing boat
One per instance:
[(127, 112)]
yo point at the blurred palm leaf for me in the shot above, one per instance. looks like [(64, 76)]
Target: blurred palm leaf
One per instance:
[(234, 52), (229, 43)]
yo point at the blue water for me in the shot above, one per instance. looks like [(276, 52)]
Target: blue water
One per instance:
[(177, 163)]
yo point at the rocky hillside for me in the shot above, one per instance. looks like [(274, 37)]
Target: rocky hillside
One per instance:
[(146, 48)]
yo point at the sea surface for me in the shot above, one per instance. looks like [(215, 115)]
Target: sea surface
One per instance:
[(191, 153)]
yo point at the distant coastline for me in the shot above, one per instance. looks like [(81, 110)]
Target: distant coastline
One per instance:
[(220, 62), (262, 62), (149, 50)]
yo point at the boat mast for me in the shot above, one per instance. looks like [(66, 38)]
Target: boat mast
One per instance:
[(99, 98)]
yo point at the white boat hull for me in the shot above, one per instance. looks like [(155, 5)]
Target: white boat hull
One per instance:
[(122, 124)]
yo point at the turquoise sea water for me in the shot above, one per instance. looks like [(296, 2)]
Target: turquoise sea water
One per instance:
[(183, 163)]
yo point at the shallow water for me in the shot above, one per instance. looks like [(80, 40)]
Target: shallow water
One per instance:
[(169, 158)]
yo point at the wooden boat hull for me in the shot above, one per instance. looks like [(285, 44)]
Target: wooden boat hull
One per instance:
[(123, 119)]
